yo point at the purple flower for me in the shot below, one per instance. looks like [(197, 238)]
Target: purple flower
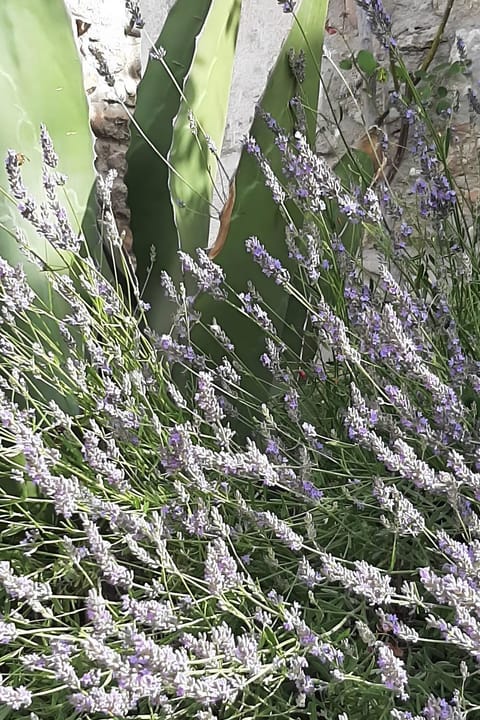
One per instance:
[(251, 146), (291, 404), (281, 529), (435, 194), (307, 574), (391, 623), (49, 220), (98, 614), (15, 698), (12, 167), (256, 312), (333, 333), (23, 588), (365, 580), (473, 101), (247, 653), (175, 352), (462, 49), (208, 275), (440, 709), (114, 573), (50, 157), (221, 571), (287, 5), (112, 702), (451, 590), (379, 21), (271, 267), (392, 671), (272, 182), (405, 519), (104, 462), (308, 639), (154, 614), (206, 399), (8, 632), (311, 179), (16, 296), (91, 678)]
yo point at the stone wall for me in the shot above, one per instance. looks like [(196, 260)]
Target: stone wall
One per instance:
[(415, 25)]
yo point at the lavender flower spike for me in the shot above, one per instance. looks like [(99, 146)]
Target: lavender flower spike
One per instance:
[(380, 22), (14, 698), (288, 5), (271, 267), (392, 671), (220, 568)]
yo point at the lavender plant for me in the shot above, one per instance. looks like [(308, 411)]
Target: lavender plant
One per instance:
[(174, 548)]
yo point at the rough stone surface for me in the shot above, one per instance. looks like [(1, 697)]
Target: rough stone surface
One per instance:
[(103, 26)]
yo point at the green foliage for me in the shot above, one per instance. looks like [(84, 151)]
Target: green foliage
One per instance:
[(367, 62)]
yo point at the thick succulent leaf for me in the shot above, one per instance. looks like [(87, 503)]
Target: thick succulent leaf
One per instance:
[(207, 93), (41, 82), (158, 103), (254, 212)]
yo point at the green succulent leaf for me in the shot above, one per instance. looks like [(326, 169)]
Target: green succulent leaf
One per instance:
[(158, 103), (199, 42), (41, 82), (254, 212), (207, 92)]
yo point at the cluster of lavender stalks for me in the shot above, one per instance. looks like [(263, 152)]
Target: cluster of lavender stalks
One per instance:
[(156, 562)]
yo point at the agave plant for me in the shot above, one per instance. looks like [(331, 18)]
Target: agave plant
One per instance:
[(178, 126), (170, 201)]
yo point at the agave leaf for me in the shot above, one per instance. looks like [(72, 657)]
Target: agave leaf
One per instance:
[(254, 212), (158, 103), (41, 82), (207, 92)]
